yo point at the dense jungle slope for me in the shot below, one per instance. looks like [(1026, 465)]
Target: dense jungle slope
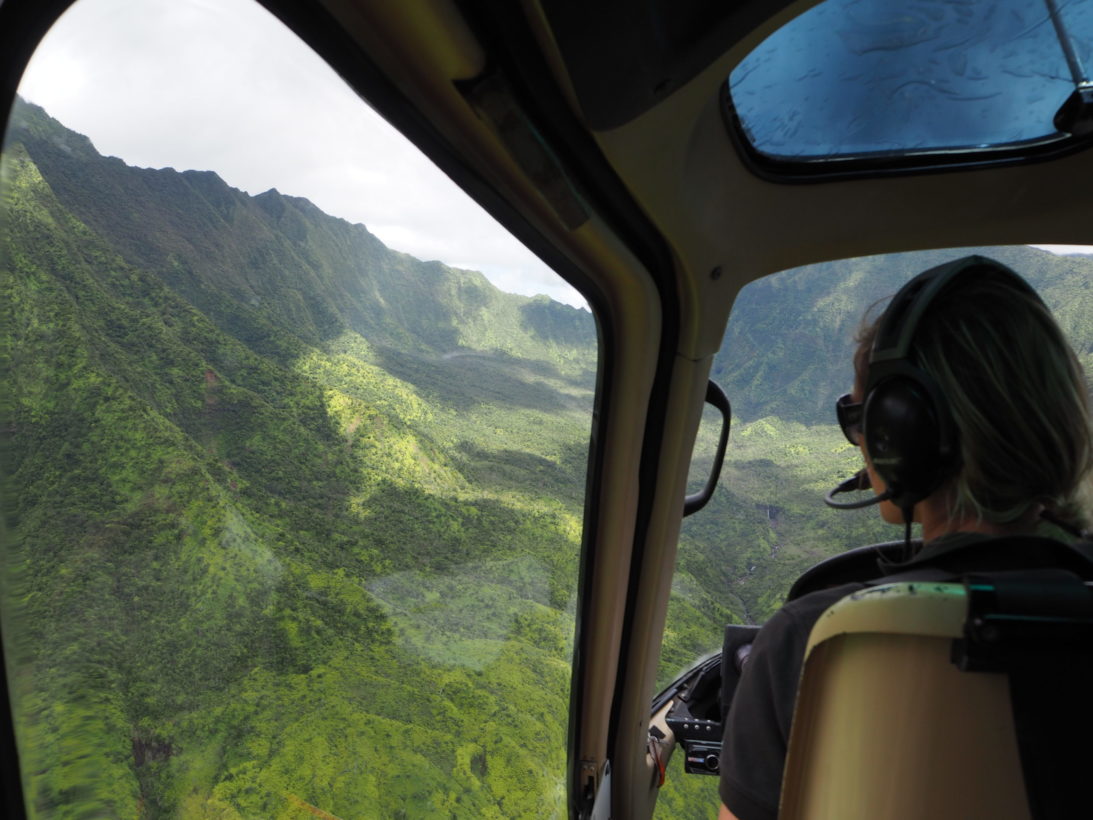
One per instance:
[(289, 516), (291, 520)]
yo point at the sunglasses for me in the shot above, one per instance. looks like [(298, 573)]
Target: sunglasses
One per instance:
[(849, 414)]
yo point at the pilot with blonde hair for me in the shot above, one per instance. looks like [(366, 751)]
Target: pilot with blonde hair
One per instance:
[(972, 414)]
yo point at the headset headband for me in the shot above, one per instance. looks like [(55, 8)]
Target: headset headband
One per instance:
[(897, 327)]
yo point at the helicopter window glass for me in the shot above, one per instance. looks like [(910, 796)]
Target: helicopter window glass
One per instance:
[(291, 517), (875, 79), (785, 359)]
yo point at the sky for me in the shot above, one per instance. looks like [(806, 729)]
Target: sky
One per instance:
[(222, 85)]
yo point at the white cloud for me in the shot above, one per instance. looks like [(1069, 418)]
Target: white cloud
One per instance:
[(222, 85), (1066, 250)]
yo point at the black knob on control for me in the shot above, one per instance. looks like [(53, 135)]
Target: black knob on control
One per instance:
[(713, 762)]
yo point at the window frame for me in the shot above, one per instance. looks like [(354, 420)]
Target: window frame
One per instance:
[(869, 166)]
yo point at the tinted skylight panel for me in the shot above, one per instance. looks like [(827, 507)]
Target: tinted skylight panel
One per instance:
[(852, 78)]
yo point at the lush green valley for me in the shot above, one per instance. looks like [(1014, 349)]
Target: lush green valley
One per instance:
[(291, 521)]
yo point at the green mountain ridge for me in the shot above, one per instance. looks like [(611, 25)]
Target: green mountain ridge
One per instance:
[(249, 262)]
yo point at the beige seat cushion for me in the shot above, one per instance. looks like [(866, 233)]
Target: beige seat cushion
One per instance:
[(886, 726)]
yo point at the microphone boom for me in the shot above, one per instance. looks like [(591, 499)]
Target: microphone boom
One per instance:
[(859, 481)]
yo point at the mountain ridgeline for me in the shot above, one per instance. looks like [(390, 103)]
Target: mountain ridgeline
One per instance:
[(291, 520), (278, 273)]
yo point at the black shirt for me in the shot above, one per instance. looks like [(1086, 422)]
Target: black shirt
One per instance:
[(753, 750)]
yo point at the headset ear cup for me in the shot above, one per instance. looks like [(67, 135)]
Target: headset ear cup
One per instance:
[(903, 438)]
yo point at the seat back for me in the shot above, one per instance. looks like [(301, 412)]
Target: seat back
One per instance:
[(887, 726)]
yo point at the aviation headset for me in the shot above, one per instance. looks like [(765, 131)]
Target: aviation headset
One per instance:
[(907, 425)]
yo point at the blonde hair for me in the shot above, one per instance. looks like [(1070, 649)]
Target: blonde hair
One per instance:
[(1018, 398)]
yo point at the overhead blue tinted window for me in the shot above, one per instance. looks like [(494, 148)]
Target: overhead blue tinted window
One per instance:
[(862, 78)]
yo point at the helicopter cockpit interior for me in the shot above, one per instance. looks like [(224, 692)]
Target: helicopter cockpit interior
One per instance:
[(563, 505)]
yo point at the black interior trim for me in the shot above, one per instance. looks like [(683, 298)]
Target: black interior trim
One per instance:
[(11, 784), (856, 565), (624, 57), (716, 397), (787, 171)]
